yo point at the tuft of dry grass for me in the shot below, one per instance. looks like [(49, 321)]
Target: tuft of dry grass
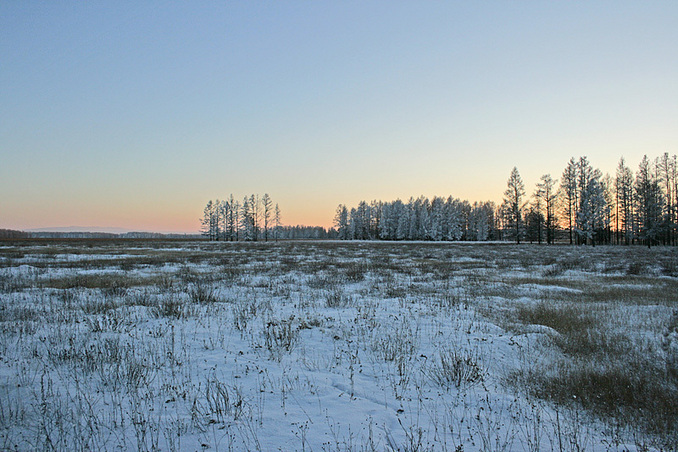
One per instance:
[(455, 368), (605, 371)]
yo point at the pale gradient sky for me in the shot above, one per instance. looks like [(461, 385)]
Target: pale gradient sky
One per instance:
[(135, 114)]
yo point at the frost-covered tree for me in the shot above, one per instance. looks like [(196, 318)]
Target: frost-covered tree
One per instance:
[(481, 221), (222, 225), (454, 221), (569, 196), (513, 203), (591, 210), (207, 221), (246, 220), (353, 224), (419, 221), (548, 195), (534, 222), (390, 217), (266, 212), (649, 203), (667, 173), (255, 211), (404, 213), (230, 220), (465, 218), (607, 185), (387, 225), (341, 222), (592, 220), (277, 221), (623, 189), (534, 219), (361, 221), (235, 209), (673, 203), (213, 220), (582, 220), (375, 219), (436, 219)]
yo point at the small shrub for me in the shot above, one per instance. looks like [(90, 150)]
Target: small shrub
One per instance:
[(280, 335), (223, 402), (99, 304), (135, 374), (170, 306), (455, 369), (202, 292), (107, 323), (395, 343), (140, 298), (336, 298), (166, 283), (243, 311)]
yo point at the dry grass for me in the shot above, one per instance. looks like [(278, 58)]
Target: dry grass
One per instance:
[(609, 312), (608, 371), (113, 283)]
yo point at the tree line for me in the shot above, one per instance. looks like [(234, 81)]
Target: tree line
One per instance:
[(417, 219), (586, 207), (254, 218), (13, 234)]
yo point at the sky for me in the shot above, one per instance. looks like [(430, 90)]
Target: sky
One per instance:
[(134, 114)]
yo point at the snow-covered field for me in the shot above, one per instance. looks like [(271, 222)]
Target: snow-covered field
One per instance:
[(337, 346)]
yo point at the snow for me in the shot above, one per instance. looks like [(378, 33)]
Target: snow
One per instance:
[(95, 370)]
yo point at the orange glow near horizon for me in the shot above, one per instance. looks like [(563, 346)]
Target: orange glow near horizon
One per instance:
[(173, 210), (108, 121)]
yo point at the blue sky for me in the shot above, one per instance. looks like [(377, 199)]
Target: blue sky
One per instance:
[(134, 114)]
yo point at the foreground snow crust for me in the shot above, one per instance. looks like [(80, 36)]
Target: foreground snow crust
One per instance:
[(289, 346)]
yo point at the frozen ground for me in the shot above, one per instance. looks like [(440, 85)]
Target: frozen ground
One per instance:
[(110, 345)]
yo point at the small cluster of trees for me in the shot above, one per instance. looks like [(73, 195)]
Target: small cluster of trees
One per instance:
[(254, 218), (596, 208), (516, 218), (12, 234), (418, 219)]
